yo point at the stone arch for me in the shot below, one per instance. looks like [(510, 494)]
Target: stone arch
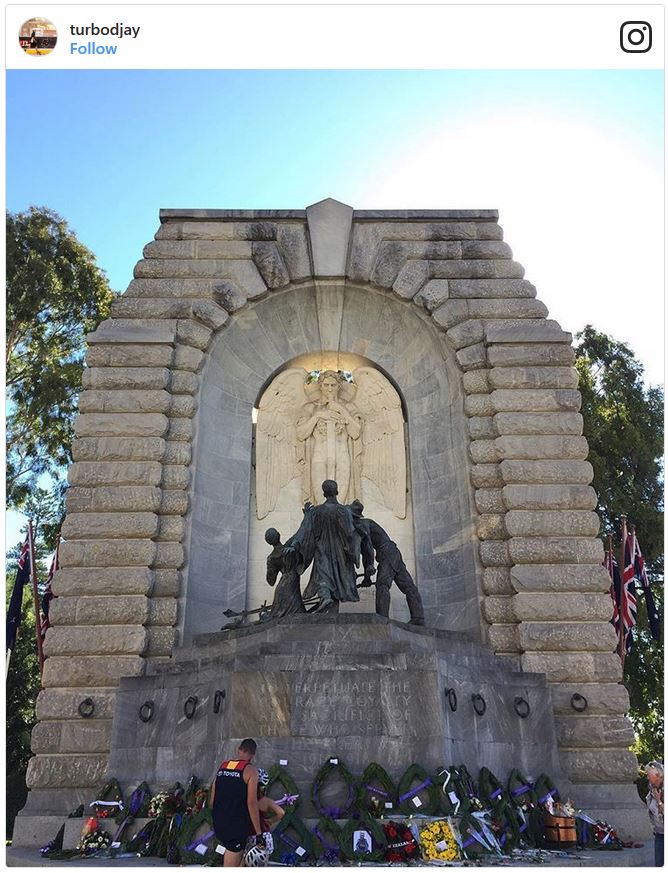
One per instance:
[(545, 601), (388, 332)]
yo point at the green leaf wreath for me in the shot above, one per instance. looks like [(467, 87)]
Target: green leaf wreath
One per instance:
[(376, 832), (333, 767), (376, 790), (190, 825), (450, 795), (284, 842), (545, 789), (328, 835), (108, 801), (278, 775), (417, 792)]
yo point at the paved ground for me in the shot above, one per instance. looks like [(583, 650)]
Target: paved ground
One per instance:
[(587, 858)]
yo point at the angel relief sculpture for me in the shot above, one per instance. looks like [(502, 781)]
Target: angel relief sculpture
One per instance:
[(331, 428)]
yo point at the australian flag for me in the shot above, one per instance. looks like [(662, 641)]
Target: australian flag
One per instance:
[(15, 611), (641, 575)]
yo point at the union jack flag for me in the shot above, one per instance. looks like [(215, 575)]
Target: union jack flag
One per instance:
[(628, 606), (640, 572)]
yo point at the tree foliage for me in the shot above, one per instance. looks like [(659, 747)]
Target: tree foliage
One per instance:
[(56, 294), (23, 684), (23, 680), (623, 422)]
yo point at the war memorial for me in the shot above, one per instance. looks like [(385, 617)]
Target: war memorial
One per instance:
[(403, 358)]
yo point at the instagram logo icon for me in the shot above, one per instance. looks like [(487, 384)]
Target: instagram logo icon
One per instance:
[(635, 36)]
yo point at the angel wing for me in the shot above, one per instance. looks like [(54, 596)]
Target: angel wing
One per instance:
[(276, 452), (383, 440)]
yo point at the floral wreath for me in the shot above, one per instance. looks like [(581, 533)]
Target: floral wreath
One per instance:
[(109, 802), (435, 834), (329, 768), (402, 844), (94, 842), (166, 803)]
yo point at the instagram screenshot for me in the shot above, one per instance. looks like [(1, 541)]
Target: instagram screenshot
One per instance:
[(334, 435)]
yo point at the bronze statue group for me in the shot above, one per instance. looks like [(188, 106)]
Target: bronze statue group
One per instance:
[(335, 540)]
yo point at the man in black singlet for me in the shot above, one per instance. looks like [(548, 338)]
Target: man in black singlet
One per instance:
[(233, 800)]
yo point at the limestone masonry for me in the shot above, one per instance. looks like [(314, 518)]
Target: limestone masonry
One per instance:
[(160, 504)]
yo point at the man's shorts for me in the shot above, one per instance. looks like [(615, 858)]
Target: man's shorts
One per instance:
[(232, 843)]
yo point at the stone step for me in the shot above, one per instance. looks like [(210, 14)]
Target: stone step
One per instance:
[(290, 656), (312, 635), (19, 855), (191, 673)]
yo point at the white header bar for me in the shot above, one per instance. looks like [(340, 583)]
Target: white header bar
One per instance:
[(341, 37)]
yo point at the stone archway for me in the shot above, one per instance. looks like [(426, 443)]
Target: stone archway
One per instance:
[(387, 332), (544, 600)]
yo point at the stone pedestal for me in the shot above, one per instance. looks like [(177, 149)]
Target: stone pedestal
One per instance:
[(359, 687)]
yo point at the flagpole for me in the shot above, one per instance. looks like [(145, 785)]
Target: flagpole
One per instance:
[(35, 594), (610, 554), (621, 647)]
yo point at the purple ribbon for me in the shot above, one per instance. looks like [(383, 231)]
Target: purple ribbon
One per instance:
[(290, 842), (193, 846), (468, 843), (377, 790), (548, 795), (137, 800), (325, 844), (521, 790), (495, 794), (414, 791), (523, 828)]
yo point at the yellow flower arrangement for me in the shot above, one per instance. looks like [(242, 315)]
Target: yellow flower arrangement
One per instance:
[(438, 842)]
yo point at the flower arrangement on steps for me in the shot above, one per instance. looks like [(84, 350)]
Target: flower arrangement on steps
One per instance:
[(441, 816)]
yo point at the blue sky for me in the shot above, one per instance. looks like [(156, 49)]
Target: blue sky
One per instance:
[(572, 159), (107, 149)]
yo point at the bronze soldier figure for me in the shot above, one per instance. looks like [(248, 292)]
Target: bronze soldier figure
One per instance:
[(391, 567)]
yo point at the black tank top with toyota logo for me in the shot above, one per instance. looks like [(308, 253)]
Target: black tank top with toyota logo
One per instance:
[(230, 802)]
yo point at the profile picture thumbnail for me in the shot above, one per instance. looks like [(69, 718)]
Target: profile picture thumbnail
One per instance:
[(38, 36)]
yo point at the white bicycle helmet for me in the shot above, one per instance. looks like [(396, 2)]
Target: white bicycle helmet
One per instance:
[(262, 776), (256, 857)]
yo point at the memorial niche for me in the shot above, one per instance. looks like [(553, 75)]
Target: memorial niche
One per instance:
[(327, 417)]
